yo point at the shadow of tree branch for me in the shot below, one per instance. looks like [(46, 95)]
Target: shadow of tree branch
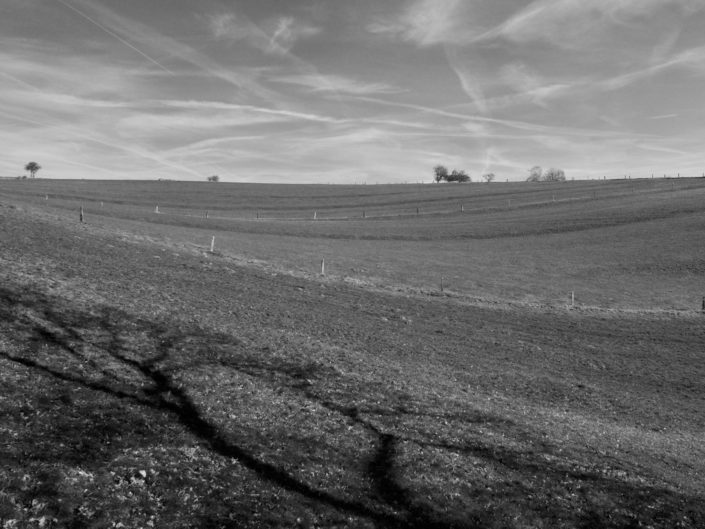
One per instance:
[(144, 375)]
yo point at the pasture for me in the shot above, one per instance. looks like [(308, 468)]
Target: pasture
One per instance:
[(146, 382)]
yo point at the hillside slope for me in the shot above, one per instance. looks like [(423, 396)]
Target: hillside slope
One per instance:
[(151, 385)]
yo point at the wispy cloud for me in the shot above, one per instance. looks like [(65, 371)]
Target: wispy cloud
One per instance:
[(428, 22), (569, 23), (59, 132), (692, 59), (337, 84), (470, 80), (275, 36), (133, 31), (220, 106)]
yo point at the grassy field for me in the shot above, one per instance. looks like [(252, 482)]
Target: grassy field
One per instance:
[(147, 383), (626, 244)]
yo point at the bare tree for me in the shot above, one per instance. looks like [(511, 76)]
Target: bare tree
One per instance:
[(535, 174), (488, 177), (554, 175), (32, 168)]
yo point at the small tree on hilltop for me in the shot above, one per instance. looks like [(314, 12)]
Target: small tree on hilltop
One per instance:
[(214, 178), (488, 177), (458, 176), (535, 174), (32, 168), (440, 173), (554, 175)]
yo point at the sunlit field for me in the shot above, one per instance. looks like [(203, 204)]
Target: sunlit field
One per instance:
[(472, 356)]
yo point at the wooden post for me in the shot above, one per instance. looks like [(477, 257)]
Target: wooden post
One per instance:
[(156, 209), (315, 215), (213, 244), (462, 208), (323, 267), (206, 214), (80, 214), (572, 299), (441, 283)]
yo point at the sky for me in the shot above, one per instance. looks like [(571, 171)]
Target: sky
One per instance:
[(351, 91)]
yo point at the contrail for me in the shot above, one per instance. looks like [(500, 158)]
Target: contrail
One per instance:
[(131, 150), (115, 35), (20, 81)]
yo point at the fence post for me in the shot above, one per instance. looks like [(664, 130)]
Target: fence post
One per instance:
[(213, 244), (156, 209), (462, 208), (206, 214), (323, 267), (80, 214), (315, 215), (572, 298), (703, 306), (441, 283)]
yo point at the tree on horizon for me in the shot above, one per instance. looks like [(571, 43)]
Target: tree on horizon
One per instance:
[(32, 168)]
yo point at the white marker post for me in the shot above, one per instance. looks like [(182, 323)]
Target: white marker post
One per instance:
[(315, 215), (213, 244), (572, 299), (323, 267), (156, 209)]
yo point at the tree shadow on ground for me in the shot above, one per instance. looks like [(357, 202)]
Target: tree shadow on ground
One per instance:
[(139, 367)]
